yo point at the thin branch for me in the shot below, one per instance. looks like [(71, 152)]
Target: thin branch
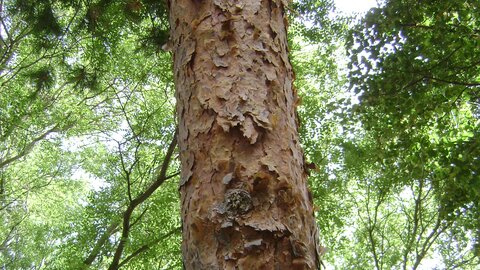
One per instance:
[(125, 171), (4, 244), (100, 242), (29, 146), (139, 217), (416, 218), (371, 228), (464, 262), (431, 238), (140, 199), (148, 246), (371, 238), (467, 84), (127, 214)]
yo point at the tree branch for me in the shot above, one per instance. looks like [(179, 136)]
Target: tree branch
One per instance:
[(148, 246), (467, 84), (140, 199), (29, 146), (101, 241), (162, 177), (371, 228)]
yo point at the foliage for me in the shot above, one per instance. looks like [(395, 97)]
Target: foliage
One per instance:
[(397, 178), (87, 167), (415, 71), (85, 131)]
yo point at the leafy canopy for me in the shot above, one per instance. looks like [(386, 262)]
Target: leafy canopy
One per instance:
[(389, 119)]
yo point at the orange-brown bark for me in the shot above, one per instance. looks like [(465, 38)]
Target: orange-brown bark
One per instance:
[(245, 203)]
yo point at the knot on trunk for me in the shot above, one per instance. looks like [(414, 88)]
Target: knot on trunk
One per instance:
[(238, 202)]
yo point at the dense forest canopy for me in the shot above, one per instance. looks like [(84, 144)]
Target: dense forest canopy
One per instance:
[(390, 123)]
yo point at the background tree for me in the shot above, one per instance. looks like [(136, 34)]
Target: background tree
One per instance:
[(80, 115), (414, 66)]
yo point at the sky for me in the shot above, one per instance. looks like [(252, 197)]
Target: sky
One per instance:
[(354, 6)]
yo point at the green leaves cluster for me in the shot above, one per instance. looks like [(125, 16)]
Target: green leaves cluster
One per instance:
[(407, 143), (422, 77), (86, 117), (397, 145)]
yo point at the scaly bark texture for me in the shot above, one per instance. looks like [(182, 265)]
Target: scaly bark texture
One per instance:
[(245, 203)]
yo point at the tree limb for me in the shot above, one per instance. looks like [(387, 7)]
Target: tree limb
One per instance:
[(148, 246), (140, 199), (100, 242), (467, 84), (29, 146)]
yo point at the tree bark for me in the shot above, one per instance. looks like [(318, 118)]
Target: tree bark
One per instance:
[(245, 203)]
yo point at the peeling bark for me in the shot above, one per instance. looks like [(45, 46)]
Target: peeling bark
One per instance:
[(245, 203)]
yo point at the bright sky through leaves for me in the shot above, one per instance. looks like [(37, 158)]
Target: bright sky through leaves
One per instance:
[(354, 6)]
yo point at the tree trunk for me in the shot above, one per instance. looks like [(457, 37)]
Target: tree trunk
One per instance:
[(245, 203)]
